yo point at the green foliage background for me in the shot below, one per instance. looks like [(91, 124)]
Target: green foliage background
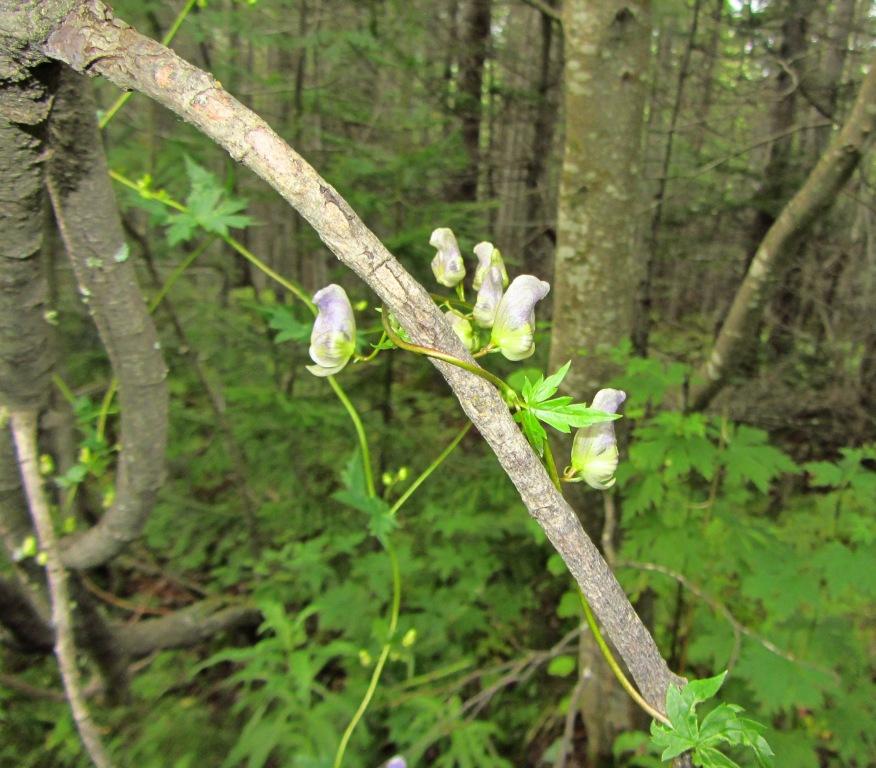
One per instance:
[(753, 561)]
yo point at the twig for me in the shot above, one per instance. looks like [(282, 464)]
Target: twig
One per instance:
[(569, 725), (716, 605), (24, 434), (547, 10)]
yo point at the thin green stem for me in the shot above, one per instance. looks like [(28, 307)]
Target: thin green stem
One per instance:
[(374, 352), (381, 661), (591, 619), (168, 37), (65, 391), (430, 469), (162, 197), (176, 274), (615, 667), (505, 388), (360, 433), (551, 466)]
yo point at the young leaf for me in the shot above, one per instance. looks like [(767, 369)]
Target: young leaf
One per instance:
[(704, 689), (545, 388)]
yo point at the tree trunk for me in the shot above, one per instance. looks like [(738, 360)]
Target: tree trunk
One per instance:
[(597, 263), (475, 44), (597, 266)]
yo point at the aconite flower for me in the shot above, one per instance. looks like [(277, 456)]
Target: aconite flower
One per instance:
[(462, 328), (489, 296), (594, 450), (397, 762), (514, 327), (448, 267), (333, 339), (488, 256)]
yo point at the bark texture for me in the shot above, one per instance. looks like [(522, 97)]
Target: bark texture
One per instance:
[(25, 359), (597, 266), (90, 39), (87, 215), (815, 196)]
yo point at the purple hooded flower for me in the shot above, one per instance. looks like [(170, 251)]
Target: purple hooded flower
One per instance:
[(397, 762), (447, 266), (489, 296), (488, 256), (333, 339), (594, 449), (514, 326)]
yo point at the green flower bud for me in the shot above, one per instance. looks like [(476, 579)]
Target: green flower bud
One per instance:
[(333, 339), (514, 327), (462, 328), (447, 266), (594, 449)]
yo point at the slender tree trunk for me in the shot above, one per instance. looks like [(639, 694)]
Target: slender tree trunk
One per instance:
[(737, 334), (642, 322), (475, 45), (597, 265)]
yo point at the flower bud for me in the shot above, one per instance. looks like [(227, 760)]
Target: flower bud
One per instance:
[(489, 297), (514, 326), (409, 638), (447, 266), (397, 762), (462, 328), (333, 339), (594, 449), (488, 256)]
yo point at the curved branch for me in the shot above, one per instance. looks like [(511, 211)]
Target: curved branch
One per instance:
[(186, 627), (816, 195), (31, 631), (89, 38), (87, 216)]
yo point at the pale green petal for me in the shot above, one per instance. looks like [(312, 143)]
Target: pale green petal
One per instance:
[(462, 328)]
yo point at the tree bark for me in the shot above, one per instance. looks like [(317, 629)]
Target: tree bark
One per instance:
[(87, 216), (90, 39), (816, 195), (475, 44), (597, 265)]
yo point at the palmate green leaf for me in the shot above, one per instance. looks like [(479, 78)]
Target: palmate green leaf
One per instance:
[(289, 328), (563, 415), (210, 207), (680, 711), (700, 690), (545, 388), (709, 757), (669, 740)]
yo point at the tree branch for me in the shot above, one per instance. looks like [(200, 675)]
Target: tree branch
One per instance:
[(187, 626), (20, 616), (89, 39), (545, 9), (87, 216), (24, 432), (815, 196)]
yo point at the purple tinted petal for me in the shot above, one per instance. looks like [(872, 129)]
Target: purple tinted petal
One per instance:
[(518, 304), (489, 297), (608, 400)]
